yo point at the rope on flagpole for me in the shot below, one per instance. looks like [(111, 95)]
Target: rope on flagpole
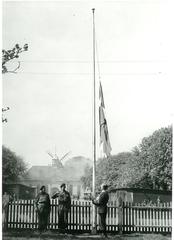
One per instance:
[(94, 216)]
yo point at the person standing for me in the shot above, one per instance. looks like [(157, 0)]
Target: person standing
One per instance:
[(5, 201), (64, 201), (101, 202), (42, 206)]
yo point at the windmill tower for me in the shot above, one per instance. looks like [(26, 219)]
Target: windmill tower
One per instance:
[(56, 161)]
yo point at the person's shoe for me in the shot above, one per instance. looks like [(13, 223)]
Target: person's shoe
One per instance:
[(44, 232), (104, 235), (62, 231), (37, 232)]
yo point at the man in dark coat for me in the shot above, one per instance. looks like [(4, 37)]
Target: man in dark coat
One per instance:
[(101, 202), (42, 205), (64, 201)]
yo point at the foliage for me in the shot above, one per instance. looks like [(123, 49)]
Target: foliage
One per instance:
[(13, 166), (4, 110), (109, 170), (8, 55), (148, 165), (113, 170), (87, 178), (154, 160)]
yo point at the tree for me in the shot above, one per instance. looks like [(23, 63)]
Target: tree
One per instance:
[(154, 160), (148, 165), (112, 171), (8, 55), (4, 110), (13, 166), (87, 178)]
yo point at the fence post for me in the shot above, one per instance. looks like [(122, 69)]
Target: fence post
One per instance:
[(120, 215), (5, 220)]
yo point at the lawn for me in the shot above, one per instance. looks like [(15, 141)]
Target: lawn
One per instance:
[(53, 236)]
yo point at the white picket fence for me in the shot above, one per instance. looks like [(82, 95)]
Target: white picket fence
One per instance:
[(126, 218)]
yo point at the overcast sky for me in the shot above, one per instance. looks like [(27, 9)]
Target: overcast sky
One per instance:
[(50, 98)]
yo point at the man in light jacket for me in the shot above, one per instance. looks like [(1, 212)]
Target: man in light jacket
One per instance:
[(63, 208), (101, 202)]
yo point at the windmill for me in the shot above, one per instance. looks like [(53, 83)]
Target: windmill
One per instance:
[(56, 161)]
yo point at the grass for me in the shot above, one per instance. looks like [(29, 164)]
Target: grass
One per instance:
[(27, 235)]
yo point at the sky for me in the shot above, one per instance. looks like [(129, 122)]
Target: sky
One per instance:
[(51, 96)]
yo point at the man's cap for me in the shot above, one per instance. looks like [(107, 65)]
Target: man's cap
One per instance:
[(42, 187), (104, 185), (63, 185)]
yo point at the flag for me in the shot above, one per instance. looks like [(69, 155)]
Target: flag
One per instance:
[(104, 134), (101, 96)]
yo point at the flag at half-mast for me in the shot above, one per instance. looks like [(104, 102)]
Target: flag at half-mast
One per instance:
[(104, 134)]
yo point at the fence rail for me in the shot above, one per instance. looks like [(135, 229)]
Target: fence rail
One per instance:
[(126, 218)]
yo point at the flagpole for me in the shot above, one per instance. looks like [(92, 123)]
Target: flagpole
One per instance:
[(94, 217)]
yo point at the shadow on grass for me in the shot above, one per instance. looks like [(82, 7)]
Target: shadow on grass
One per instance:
[(56, 235)]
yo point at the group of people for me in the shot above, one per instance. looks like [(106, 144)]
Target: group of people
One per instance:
[(43, 208)]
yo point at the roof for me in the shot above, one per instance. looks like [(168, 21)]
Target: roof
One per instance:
[(44, 173), (51, 174), (16, 185), (73, 170), (141, 190)]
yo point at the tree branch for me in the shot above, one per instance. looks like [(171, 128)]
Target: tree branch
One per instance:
[(14, 71)]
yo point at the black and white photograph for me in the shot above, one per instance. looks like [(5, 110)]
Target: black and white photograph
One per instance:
[(87, 119)]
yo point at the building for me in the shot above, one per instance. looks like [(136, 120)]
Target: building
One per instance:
[(19, 191), (52, 176), (134, 195)]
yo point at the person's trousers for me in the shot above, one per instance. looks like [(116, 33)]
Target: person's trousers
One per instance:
[(102, 222), (43, 216), (63, 218)]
